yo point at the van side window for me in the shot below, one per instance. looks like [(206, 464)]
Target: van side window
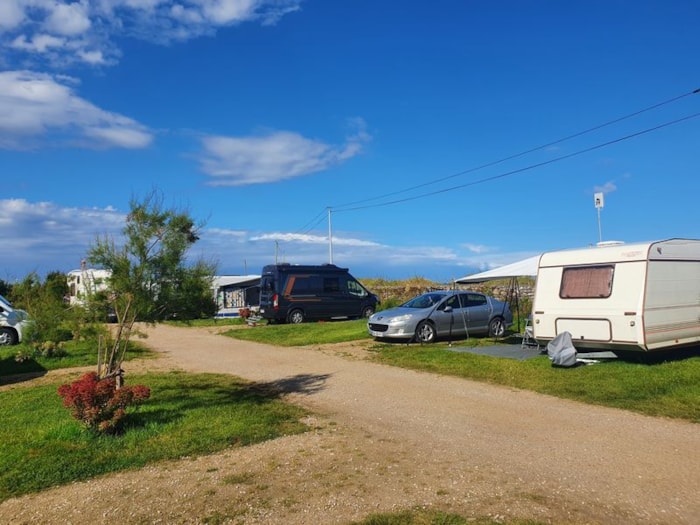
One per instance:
[(356, 289), (587, 282), (304, 284), (331, 284)]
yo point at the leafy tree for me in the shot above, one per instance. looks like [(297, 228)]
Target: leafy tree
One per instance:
[(150, 281), (44, 302), (5, 288)]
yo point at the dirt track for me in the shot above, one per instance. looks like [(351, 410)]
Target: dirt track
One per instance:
[(384, 439)]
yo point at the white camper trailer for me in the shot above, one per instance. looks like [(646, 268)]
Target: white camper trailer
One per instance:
[(624, 297)]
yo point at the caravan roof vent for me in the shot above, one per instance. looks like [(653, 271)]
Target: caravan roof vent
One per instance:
[(603, 244)]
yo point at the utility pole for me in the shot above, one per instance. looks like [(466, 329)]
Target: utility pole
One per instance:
[(599, 203), (330, 238)]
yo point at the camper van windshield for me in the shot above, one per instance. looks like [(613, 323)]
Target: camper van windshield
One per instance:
[(356, 288)]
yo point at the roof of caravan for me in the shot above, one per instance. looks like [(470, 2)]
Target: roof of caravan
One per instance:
[(669, 249)]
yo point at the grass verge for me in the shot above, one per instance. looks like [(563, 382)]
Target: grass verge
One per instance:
[(77, 354), (670, 389), (304, 334), (433, 517), (187, 415)]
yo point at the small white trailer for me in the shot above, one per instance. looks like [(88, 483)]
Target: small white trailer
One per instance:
[(621, 297)]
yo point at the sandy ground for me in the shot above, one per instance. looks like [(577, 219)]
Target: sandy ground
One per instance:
[(384, 439)]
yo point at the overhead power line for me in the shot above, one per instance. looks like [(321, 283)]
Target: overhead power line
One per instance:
[(309, 226), (351, 205), (526, 168)]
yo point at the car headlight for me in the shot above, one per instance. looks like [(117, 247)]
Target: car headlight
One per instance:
[(399, 319)]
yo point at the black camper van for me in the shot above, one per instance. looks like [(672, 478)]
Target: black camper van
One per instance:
[(294, 293)]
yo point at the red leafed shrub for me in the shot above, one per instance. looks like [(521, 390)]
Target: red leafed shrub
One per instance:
[(98, 404)]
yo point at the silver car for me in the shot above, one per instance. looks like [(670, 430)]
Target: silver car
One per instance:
[(442, 314)]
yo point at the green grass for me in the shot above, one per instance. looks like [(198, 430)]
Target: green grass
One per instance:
[(187, 415), (669, 389), (433, 517), (78, 353), (304, 333), (226, 321)]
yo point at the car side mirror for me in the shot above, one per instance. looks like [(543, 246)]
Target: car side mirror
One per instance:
[(448, 309)]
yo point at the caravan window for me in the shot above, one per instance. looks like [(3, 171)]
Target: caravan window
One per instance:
[(587, 282)]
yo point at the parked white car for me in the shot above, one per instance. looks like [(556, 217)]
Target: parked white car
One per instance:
[(12, 322)]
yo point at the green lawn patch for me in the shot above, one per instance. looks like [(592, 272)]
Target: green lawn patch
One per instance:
[(77, 354), (670, 389), (215, 321), (305, 333), (434, 517), (187, 415)]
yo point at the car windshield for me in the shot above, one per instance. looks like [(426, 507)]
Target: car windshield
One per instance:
[(424, 301)]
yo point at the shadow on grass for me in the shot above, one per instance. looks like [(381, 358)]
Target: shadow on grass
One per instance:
[(180, 397), (12, 372), (659, 356)]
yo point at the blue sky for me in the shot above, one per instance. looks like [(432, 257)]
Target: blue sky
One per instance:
[(408, 120)]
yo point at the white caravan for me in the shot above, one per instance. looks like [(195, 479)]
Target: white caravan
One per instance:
[(85, 283), (12, 322), (624, 297)]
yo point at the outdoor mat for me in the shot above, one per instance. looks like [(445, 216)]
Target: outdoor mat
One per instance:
[(509, 351)]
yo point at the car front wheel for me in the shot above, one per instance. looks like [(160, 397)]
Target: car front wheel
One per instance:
[(296, 317), (425, 332), (497, 327), (7, 337), (367, 311)]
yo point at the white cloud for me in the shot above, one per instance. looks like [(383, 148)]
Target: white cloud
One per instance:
[(120, 135), (40, 43), (68, 19), (305, 238), (89, 28), (477, 248), (237, 161), (608, 187), (32, 105), (11, 14), (43, 236)]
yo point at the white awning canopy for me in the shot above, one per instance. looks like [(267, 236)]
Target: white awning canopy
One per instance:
[(525, 268), (220, 281)]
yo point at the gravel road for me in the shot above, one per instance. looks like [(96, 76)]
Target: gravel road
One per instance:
[(383, 439)]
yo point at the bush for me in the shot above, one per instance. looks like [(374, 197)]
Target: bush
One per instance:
[(98, 404), (390, 302)]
